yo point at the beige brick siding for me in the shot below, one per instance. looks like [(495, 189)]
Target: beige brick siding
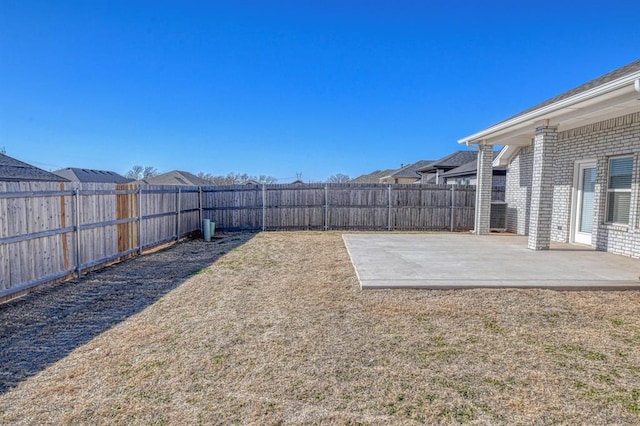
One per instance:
[(599, 141), (518, 191)]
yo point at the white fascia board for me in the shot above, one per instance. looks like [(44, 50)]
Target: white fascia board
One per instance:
[(504, 156), (567, 103)]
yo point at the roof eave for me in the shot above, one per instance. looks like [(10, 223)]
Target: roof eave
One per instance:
[(540, 113)]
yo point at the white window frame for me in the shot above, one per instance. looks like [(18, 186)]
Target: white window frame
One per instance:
[(619, 190)]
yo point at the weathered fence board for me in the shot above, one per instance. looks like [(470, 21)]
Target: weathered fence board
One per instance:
[(293, 207), (127, 208), (340, 207), (51, 230), (42, 213), (237, 207)]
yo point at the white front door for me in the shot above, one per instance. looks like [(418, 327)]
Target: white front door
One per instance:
[(584, 206)]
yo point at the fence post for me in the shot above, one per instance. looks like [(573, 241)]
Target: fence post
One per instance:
[(140, 219), (178, 208), (389, 209), (264, 207), (326, 207), (200, 217), (453, 203), (76, 207)]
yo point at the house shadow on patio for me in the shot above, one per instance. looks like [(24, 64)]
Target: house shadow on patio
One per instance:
[(46, 325)]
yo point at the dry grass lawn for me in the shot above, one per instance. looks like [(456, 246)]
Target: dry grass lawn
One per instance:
[(278, 331)]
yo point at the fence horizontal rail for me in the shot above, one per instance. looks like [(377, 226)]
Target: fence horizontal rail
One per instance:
[(340, 206), (34, 235), (34, 283), (34, 194), (107, 192), (233, 208), (51, 230), (106, 223), (168, 191)]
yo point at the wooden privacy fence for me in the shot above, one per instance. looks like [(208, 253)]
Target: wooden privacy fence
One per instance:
[(51, 231), (341, 207)]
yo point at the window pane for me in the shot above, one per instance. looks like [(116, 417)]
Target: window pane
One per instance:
[(620, 170), (588, 196), (618, 206)]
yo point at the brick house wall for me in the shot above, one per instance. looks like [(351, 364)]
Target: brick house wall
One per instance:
[(518, 191), (598, 141)]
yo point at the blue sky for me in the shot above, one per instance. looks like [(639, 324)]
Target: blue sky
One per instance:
[(286, 87)]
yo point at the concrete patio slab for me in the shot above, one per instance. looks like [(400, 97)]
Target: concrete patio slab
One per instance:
[(448, 261)]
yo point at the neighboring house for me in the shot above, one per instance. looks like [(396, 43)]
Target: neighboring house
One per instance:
[(467, 174), (12, 170), (573, 166), (432, 172), (75, 174), (373, 177), (175, 177), (406, 174)]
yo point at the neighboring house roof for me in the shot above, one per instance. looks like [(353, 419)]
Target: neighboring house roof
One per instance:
[(75, 174), (450, 161), (373, 177), (15, 171), (429, 178), (175, 177), (469, 169), (409, 171), (611, 95)]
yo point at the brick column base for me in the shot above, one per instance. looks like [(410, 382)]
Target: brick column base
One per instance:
[(484, 187), (544, 145)]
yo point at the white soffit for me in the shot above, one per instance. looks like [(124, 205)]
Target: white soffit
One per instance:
[(609, 100)]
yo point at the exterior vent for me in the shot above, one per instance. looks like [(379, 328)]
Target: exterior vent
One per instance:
[(498, 221)]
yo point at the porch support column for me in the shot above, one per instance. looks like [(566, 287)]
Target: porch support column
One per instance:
[(544, 145), (483, 189)]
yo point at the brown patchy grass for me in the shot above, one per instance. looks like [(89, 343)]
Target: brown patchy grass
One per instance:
[(278, 331)]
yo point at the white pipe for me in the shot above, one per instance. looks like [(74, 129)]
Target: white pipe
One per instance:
[(636, 85), (206, 229)]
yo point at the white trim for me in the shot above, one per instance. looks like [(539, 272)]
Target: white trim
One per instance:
[(576, 200), (505, 155), (608, 191), (629, 81)]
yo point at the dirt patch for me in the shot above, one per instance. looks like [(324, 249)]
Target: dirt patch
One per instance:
[(46, 325), (277, 331)]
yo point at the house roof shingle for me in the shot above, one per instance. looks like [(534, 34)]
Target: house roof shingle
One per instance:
[(16, 170), (599, 81), (75, 174), (410, 170), (470, 168), (175, 177), (450, 161), (373, 177)]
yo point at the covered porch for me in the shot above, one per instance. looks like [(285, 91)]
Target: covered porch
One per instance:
[(612, 98)]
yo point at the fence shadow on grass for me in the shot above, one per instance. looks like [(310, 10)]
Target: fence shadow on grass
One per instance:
[(46, 325)]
